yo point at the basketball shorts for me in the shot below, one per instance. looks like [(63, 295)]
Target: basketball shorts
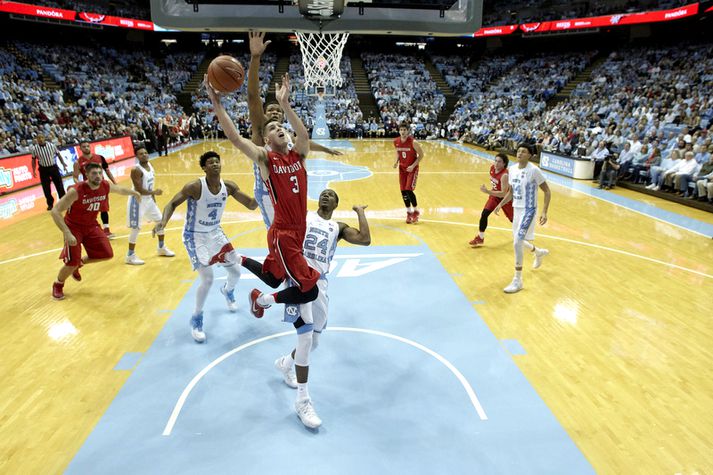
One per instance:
[(493, 202), (95, 243), (142, 210), (285, 259), (523, 223), (407, 180), (206, 249)]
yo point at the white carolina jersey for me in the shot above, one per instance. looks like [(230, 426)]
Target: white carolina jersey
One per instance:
[(147, 180), (320, 242), (204, 214), (524, 183)]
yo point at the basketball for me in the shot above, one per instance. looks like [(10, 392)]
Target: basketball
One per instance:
[(226, 74)]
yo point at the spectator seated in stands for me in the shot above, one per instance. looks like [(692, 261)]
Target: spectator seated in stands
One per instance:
[(610, 168), (704, 182), (666, 164), (687, 166)]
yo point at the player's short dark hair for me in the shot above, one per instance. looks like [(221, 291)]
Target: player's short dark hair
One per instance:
[(504, 158), (269, 103), (210, 154), (141, 147), (405, 124), (529, 147), (90, 166), (81, 141)]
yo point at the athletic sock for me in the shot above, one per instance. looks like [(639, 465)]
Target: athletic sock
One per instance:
[(265, 300), (302, 392), (130, 253), (481, 234), (518, 274)]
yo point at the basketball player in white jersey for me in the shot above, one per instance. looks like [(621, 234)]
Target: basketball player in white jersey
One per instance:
[(203, 237), (259, 115), (323, 234), (142, 177), (525, 178)]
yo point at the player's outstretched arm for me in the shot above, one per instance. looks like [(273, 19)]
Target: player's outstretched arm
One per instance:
[(242, 198), (548, 195), (75, 172), (249, 149), (120, 190), (63, 205), (362, 236), (189, 190), (255, 111), (302, 134), (105, 167)]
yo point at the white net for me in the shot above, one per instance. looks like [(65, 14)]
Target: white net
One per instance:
[(321, 55)]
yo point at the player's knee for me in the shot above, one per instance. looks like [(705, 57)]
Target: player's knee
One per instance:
[(311, 294), (304, 346)]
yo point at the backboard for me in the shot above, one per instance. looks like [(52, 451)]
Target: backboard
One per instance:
[(395, 17)]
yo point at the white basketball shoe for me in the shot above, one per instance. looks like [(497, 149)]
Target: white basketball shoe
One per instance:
[(306, 413), (539, 255), (515, 286), (288, 373)]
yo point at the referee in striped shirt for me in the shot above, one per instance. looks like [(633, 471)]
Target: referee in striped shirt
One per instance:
[(46, 153)]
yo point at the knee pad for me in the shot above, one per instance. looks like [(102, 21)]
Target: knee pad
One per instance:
[(303, 348)]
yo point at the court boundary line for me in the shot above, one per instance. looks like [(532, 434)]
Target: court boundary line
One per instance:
[(455, 223), (178, 407), (486, 156)]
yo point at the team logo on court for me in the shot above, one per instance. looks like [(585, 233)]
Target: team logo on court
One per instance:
[(322, 172)]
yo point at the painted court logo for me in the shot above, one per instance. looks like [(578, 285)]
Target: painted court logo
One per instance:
[(322, 172)]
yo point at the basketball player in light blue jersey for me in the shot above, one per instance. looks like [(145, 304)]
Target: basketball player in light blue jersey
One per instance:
[(525, 179), (310, 319), (204, 239), (259, 117)]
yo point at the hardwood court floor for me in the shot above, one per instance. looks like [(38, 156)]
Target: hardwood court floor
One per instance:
[(615, 325)]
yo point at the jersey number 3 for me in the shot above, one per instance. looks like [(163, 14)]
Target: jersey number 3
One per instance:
[(296, 187)]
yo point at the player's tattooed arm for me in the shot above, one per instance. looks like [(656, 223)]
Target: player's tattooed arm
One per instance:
[(58, 210), (242, 198), (362, 236)]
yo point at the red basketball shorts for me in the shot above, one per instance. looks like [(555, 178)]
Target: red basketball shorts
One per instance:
[(285, 259), (93, 239), (407, 180), (493, 202)]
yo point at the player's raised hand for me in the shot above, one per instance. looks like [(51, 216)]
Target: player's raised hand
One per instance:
[(282, 91), (543, 219), (257, 45), (71, 240), (359, 208)]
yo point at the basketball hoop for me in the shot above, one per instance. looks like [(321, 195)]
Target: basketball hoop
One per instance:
[(321, 55)]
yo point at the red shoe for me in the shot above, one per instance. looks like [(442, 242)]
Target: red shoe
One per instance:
[(477, 241), (58, 290), (255, 308), (416, 214), (409, 217)]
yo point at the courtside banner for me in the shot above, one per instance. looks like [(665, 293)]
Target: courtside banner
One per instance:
[(70, 15), (16, 170), (496, 31), (612, 20)]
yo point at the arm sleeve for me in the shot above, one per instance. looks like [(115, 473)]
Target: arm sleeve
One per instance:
[(104, 164)]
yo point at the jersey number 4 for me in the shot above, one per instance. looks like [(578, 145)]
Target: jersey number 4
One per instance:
[(94, 206), (213, 214)]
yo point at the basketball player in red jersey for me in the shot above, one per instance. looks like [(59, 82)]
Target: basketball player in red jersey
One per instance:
[(408, 155), (83, 202), (79, 167), (283, 171), (500, 182)]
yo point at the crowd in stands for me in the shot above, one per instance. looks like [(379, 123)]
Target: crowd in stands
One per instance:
[(123, 8), (344, 117), (404, 90), (102, 92), (496, 114), (505, 12), (236, 104)]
